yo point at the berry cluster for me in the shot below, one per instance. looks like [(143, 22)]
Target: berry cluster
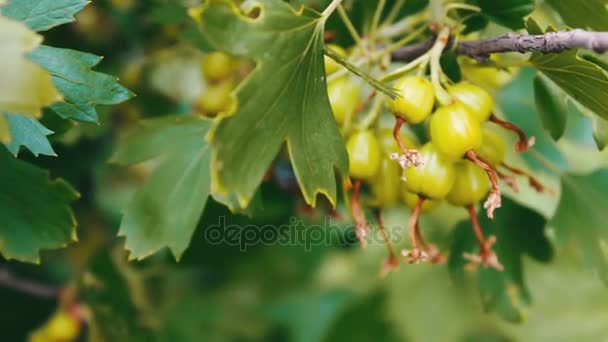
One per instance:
[(219, 71), (460, 164)]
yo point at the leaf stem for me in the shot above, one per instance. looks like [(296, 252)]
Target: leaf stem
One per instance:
[(394, 12), (330, 9), (395, 74), (349, 26), (435, 55), (376, 21)]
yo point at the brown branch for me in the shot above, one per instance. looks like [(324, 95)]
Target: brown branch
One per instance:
[(550, 42), (8, 279)]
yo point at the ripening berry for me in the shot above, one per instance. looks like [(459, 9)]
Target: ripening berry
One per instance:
[(411, 200), (493, 149), (417, 97), (479, 102), (389, 145), (434, 178), (385, 186), (332, 66), (60, 327), (216, 98), (471, 184), (217, 66), (344, 96), (364, 155), (455, 131)]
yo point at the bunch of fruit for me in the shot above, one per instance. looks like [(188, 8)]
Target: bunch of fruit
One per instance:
[(219, 71), (459, 164)]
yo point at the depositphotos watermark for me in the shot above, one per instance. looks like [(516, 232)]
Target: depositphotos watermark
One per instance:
[(296, 233)]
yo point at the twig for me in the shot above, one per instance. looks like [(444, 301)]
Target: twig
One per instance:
[(550, 42), (8, 279)]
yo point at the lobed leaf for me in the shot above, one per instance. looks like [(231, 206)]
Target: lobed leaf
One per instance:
[(284, 99), (35, 213), (166, 209), (591, 14), (41, 15), (519, 231), (28, 132), (581, 216), (83, 88), (581, 79), (551, 105)]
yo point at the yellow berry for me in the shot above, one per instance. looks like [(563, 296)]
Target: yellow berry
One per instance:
[(364, 155), (62, 327), (216, 98), (217, 66), (385, 186), (411, 200), (344, 96), (479, 102), (417, 97), (455, 131), (389, 145), (471, 184), (432, 179), (493, 149)]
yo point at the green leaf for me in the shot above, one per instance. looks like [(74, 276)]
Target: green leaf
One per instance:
[(519, 231), (583, 14), (581, 216), (519, 107), (581, 79), (551, 105), (116, 299), (166, 209), (83, 88), (509, 13), (41, 15), (28, 132), (308, 316), (600, 132), (35, 213), (284, 99), (26, 87), (352, 326)]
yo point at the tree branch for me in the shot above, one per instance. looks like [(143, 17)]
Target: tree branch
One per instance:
[(8, 279), (551, 42)]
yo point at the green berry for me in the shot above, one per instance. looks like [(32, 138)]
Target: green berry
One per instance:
[(434, 178), (455, 131), (364, 155), (471, 184), (417, 97), (479, 102)]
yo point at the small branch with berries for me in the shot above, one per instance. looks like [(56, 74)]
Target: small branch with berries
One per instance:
[(550, 42)]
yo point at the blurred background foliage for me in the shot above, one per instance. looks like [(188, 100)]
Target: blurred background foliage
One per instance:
[(274, 291)]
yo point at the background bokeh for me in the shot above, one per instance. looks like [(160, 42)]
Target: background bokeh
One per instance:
[(272, 290)]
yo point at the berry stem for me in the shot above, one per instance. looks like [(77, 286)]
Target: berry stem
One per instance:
[(509, 180), (477, 229), (486, 256), (494, 200), (435, 55), (365, 101), (535, 183), (392, 261), (410, 157), (416, 254), (523, 144), (361, 228)]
